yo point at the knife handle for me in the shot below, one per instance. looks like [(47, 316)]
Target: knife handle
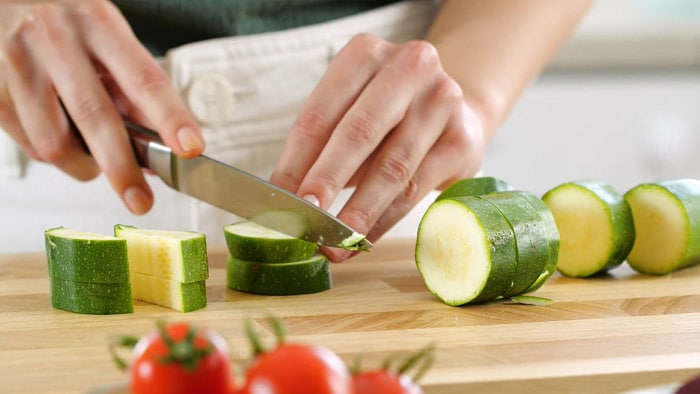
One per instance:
[(151, 152), (148, 147)]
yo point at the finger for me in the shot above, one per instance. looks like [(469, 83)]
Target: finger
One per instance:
[(76, 82), (347, 75), (139, 77), (37, 122), (393, 178), (9, 123), (369, 120)]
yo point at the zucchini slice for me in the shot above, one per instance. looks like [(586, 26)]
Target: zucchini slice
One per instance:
[(595, 226), (86, 257), (474, 187), (532, 239), (298, 277), (465, 251), (552, 235), (174, 255), (667, 222), (91, 298), (250, 241), (183, 297)]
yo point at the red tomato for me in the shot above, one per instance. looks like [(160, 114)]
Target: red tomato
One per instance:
[(298, 369), (384, 382), (181, 360)]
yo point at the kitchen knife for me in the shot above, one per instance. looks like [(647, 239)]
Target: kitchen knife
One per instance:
[(241, 193)]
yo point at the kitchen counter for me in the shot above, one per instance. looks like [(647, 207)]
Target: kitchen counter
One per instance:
[(602, 335)]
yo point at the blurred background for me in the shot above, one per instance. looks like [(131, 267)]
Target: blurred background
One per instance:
[(619, 103)]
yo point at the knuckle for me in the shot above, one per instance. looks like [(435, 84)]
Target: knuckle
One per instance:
[(359, 218), (363, 128), (310, 125), (88, 109), (51, 150), (328, 183), (419, 55), (447, 90), (149, 77), (395, 166), (366, 47)]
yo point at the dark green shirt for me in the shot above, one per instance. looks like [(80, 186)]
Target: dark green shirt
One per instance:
[(163, 24)]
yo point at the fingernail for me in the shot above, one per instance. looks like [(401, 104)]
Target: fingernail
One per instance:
[(137, 200), (312, 199), (189, 139)]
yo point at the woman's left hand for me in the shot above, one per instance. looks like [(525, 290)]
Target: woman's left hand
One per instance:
[(389, 120)]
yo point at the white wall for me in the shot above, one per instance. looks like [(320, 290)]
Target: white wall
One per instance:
[(623, 128)]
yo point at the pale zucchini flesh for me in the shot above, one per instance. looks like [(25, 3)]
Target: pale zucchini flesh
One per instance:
[(595, 227), (183, 297), (465, 251), (667, 222), (174, 255)]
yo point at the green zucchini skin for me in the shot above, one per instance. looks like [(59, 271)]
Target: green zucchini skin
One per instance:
[(684, 193), (267, 250), (531, 237), (86, 260), (290, 278), (91, 298), (552, 236), (474, 187)]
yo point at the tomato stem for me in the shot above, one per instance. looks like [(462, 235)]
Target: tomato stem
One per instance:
[(123, 341), (184, 352)]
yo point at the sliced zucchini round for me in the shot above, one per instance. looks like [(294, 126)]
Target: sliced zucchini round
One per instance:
[(465, 251), (174, 255), (250, 241), (298, 277), (183, 297), (595, 226), (667, 223), (474, 187), (531, 237), (552, 235), (86, 257), (91, 298)]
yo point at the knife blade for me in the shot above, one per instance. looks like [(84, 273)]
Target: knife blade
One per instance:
[(242, 193)]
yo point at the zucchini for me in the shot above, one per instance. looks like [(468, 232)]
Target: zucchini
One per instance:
[(532, 240), (595, 226), (91, 298), (298, 277), (86, 257), (552, 235), (250, 241), (180, 256), (465, 251), (474, 187), (667, 223), (183, 297)]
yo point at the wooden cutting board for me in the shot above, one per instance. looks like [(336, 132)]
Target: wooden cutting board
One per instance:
[(601, 335)]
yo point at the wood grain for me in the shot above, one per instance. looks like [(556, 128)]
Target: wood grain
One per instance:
[(600, 335)]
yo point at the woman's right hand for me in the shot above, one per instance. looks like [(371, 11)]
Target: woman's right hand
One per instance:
[(83, 54)]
